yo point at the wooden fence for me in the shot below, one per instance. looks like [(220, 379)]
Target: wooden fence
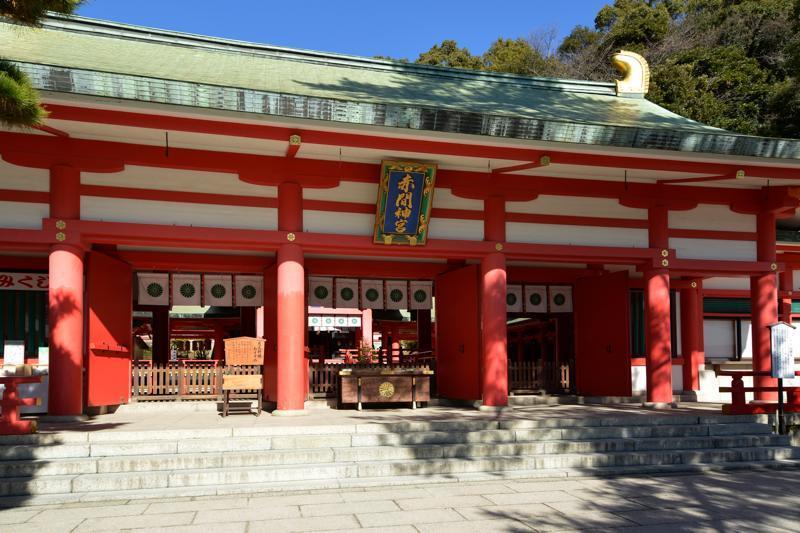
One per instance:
[(323, 377), (529, 376), (199, 381), (178, 381)]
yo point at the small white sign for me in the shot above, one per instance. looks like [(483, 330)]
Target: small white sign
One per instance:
[(14, 353), (44, 356), (782, 349)]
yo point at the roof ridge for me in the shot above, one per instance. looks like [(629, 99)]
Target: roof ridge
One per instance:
[(162, 36)]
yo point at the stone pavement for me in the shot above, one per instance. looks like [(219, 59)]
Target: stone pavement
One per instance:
[(732, 501), (203, 415)]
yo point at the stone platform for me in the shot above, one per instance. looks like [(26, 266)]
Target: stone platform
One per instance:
[(185, 451)]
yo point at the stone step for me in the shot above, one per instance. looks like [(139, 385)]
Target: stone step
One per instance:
[(392, 481), (180, 442), (578, 460), (181, 461), (188, 477), (478, 424)]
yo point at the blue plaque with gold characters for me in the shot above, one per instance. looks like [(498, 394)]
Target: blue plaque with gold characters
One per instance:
[(405, 196)]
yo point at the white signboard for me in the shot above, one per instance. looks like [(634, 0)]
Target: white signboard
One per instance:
[(44, 356), (16, 281), (14, 353), (782, 336)]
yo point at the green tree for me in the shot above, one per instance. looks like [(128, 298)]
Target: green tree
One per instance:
[(729, 63), (518, 56), (19, 102), (448, 54)]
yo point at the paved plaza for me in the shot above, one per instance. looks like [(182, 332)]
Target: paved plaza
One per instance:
[(731, 501), (204, 415)]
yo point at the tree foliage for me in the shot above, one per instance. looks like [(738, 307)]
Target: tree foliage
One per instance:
[(31, 12), (734, 64), (19, 101)]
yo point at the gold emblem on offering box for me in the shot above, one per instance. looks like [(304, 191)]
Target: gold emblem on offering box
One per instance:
[(405, 196), (386, 389)]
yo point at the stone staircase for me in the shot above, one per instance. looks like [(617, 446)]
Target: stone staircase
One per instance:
[(113, 465)]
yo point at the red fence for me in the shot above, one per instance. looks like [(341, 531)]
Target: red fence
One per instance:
[(739, 405)]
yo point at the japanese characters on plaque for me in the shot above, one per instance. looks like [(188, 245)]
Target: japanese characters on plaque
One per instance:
[(16, 281), (405, 196)]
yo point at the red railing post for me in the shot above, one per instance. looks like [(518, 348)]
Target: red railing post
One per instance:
[(737, 395)]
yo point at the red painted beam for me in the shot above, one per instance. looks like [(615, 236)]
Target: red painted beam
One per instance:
[(294, 146), (700, 179), (713, 234), (365, 268), (46, 152), (542, 162), (188, 262), (34, 197), (160, 122)]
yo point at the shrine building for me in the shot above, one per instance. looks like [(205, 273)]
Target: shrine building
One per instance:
[(517, 234)]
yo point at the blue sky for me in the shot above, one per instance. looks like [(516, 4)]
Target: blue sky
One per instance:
[(401, 28)]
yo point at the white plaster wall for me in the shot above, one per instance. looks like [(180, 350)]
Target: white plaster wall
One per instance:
[(23, 178), (639, 379), (165, 179), (714, 249), (727, 283), (578, 206), (454, 228), (575, 235), (677, 378), (712, 217), (342, 223), (22, 215), (796, 280), (176, 213), (718, 338), (444, 199), (347, 191)]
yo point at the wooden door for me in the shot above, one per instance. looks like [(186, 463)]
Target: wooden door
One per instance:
[(602, 355), (458, 337), (109, 285)]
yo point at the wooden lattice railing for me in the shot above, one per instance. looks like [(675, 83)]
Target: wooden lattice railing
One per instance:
[(179, 381), (529, 376)]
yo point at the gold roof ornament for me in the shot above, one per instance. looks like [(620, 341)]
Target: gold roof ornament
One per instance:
[(635, 73)]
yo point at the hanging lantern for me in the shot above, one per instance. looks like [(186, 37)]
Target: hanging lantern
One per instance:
[(514, 299), (320, 292), (396, 294), (153, 288), (346, 293)]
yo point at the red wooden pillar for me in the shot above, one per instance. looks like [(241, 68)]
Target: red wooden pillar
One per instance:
[(161, 334), (218, 351), (366, 327), (424, 330), (786, 282), (657, 315), (291, 305), (65, 299), (764, 304), (692, 334), (494, 360)]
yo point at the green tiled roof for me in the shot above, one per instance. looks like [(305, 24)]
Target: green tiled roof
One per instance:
[(99, 58)]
